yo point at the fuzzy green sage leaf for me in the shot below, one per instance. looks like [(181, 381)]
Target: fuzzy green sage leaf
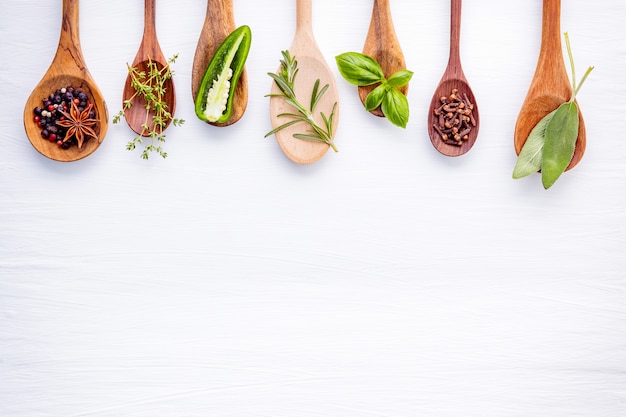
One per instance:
[(560, 142), (531, 155), (552, 142)]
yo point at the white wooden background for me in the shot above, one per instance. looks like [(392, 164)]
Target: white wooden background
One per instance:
[(385, 280)]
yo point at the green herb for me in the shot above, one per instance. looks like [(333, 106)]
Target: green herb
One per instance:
[(214, 101), (558, 150), (285, 81), (531, 155), (150, 86), (551, 144), (362, 70)]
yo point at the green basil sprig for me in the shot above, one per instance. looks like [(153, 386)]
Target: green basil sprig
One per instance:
[(362, 70), (551, 144)]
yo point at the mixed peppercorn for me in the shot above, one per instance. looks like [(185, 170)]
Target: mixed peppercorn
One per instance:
[(66, 117)]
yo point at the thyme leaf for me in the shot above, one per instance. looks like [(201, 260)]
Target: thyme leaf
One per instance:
[(150, 86)]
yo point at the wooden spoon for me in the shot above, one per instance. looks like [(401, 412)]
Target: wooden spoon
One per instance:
[(218, 24), (312, 67), (149, 50), (550, 86), (453, 78), (67, 69), (382, 45)]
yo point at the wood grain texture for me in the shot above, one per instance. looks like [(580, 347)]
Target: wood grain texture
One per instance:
[(149, 51), (382, 44), (385, 280), (312, 66), (68, 68), (453, 78), (219, 22), (550, 86)]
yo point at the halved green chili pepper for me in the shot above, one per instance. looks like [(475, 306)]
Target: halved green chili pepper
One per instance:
[(214, 101)]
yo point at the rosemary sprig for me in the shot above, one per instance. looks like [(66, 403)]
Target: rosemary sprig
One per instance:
[(285, 80), (151, 88)]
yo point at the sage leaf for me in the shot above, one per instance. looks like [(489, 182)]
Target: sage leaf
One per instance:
[(395, 107), (359, 69), (400, 78), (560, 142), (531, 156), (375, 98)]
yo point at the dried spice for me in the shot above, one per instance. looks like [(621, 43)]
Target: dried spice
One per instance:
[(79, 124), (66, 117), (454, 118)]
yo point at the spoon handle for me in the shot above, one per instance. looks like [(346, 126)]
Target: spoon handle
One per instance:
[(221, 17), (551, 55), (382, 44), (149, 22), (381, 34), (455, 32), (304, 12), (69, 42)]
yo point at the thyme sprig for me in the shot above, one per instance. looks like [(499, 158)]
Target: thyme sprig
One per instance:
[(285, 81), (150, 86)]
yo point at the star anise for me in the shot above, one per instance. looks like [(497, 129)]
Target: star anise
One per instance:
[(79, 124)]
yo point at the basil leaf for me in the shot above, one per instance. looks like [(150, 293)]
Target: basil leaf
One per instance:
[(561, 135), (531, 155), (395, 107), (375, 98), (400, 78), (359, 69)]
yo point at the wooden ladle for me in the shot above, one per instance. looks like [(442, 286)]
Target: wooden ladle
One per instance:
[(67, 69), (149, 50), (550, 86), (382, 45), (312, 67), (453, 78), (218, 24)]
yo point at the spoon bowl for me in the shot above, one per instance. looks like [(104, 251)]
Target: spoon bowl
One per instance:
[(550, 86), (312, 67), (218, 24), (382, 44), (149, 52), (444, 88), (68, 68), (453, 78)]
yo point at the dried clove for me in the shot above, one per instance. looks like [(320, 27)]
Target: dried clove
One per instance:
[(455, 120)]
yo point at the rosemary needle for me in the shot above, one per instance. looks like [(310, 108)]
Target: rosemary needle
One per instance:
[(285, 81)]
